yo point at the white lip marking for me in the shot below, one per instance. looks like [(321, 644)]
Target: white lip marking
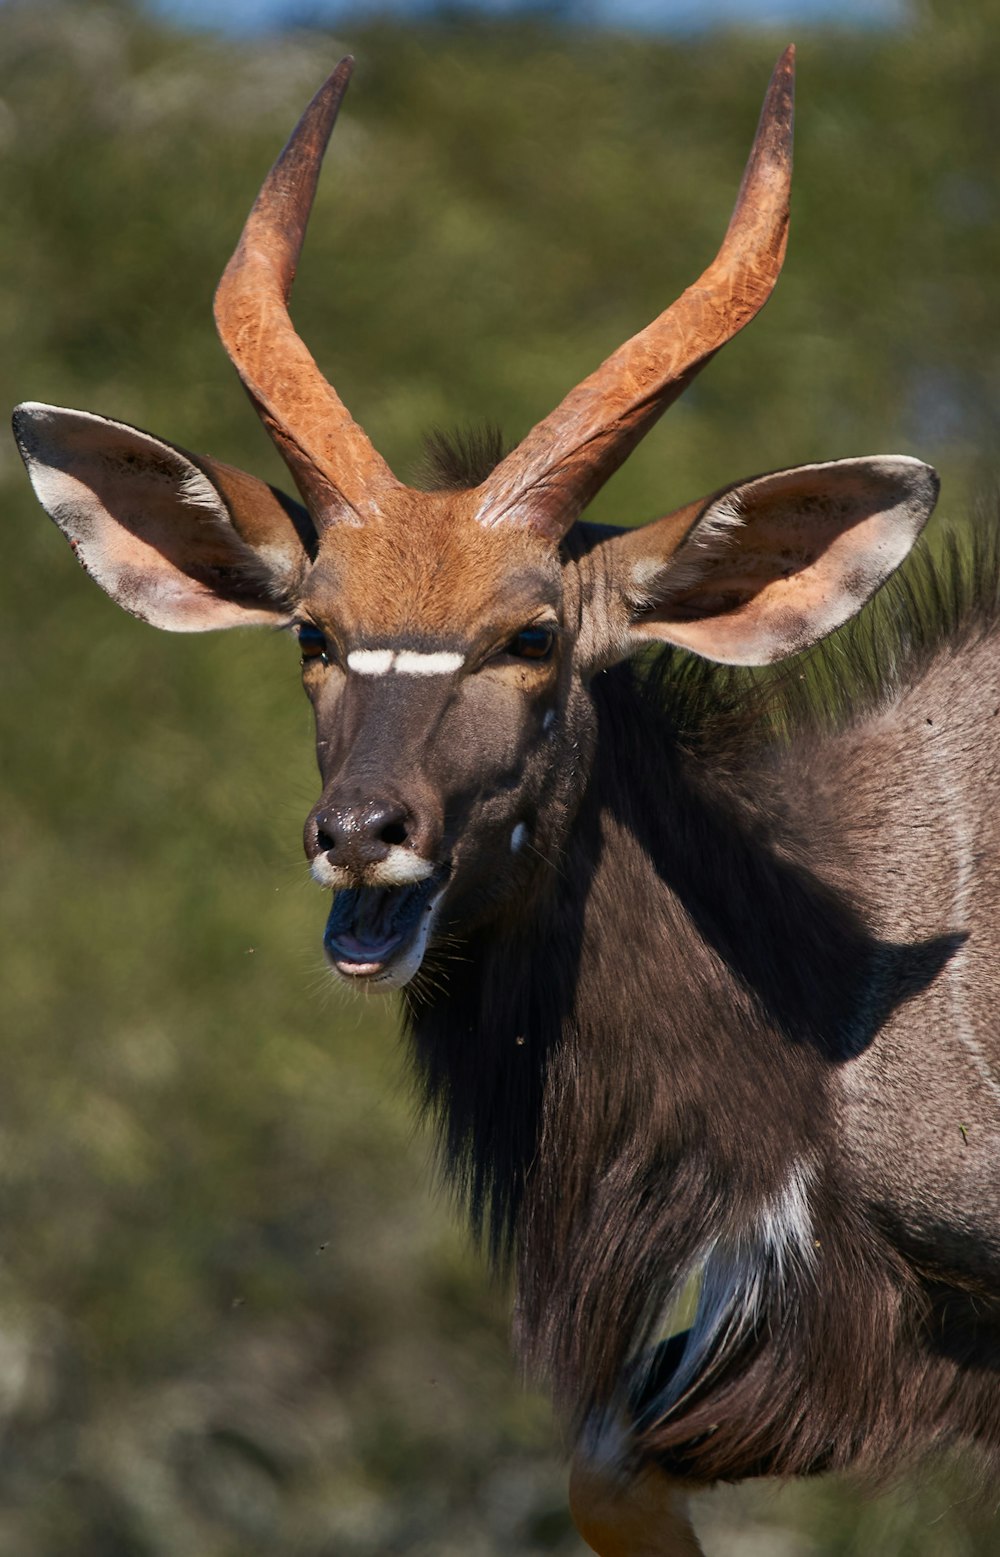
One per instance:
[(405, 662), (400, 868), (370, 662), (410, 663), (518, 837)]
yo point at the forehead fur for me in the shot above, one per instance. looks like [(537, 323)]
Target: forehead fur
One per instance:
[(428, 571)]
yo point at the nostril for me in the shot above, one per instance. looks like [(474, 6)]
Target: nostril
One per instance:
[(360, 834)]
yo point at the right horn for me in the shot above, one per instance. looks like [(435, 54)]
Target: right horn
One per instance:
[(339, 473), (546, 482)]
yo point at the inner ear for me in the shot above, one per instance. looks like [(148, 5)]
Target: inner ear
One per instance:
[(181, 541), (771, 565)]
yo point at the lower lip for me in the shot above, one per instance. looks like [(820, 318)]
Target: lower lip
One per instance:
[(358, 970)]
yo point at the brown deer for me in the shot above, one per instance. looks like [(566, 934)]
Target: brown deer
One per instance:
[(698, 979)]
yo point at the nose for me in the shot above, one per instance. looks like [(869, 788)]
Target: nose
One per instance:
[(358, 834)]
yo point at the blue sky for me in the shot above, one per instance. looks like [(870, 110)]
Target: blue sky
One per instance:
[(648, 15)]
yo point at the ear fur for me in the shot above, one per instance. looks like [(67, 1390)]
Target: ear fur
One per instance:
[(768, 566), (180, 541)]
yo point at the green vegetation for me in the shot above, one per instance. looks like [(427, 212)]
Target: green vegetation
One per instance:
[(234, 1318)]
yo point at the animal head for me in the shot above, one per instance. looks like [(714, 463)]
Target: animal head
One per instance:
[(448, 637)]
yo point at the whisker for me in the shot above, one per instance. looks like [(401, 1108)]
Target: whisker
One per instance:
[(553, 864)]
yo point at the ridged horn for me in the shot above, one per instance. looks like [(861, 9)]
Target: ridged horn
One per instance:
[(339, 474), (547, 481)]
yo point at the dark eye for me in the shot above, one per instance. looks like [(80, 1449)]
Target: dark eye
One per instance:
[(532, 643), (312, 644)]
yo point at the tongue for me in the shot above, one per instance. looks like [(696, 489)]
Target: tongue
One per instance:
[(352, 948)]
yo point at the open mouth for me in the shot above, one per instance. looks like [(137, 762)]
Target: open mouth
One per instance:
[(380, 933)]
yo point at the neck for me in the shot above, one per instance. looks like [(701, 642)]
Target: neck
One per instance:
[(640, 1073)]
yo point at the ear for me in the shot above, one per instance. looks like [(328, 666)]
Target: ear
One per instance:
[(768, 567), (181, 541)]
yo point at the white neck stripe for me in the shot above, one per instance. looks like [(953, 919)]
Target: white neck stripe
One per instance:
[(404, 662)]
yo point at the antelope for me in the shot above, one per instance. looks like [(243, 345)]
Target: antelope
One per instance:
[(698, 979)]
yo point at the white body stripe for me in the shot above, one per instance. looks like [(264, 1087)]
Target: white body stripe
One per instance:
[(404, 662), (740, 1270)]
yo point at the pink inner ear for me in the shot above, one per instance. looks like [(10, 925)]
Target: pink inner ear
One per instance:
[(146, 572), (750, 616), (814, 545), (144, 521)]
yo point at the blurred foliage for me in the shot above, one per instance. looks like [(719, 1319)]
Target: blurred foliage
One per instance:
[(234, 1318)]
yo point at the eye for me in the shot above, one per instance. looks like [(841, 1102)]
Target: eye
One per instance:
[(532, 643), (312, 643)]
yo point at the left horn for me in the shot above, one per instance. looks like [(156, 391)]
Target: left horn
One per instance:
[(337, 470), (547, 481)]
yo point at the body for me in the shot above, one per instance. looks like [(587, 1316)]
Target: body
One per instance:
[(756, 1036)]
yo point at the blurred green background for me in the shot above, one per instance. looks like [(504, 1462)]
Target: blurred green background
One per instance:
[(235, 1315)]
